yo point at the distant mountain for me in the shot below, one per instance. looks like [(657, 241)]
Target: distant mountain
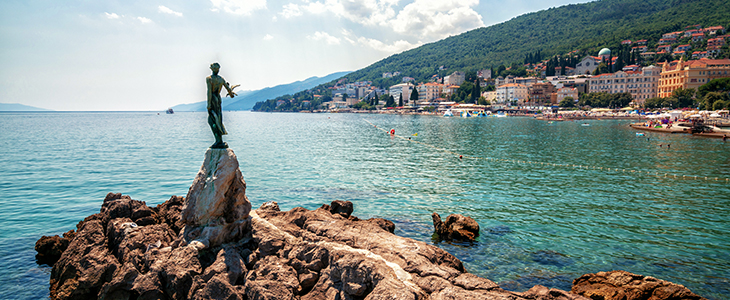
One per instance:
[(19, 107), (589, 26), (245, 100), (201, 106)]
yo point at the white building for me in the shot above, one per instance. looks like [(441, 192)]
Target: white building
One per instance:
[(511, 92), (587, 65), (456, 78), (404, 89)]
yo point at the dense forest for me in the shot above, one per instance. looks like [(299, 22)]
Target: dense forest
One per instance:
[(578, 29)]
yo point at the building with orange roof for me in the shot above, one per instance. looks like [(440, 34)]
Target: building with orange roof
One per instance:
[(712, 30), (564, 92), (698, 54), (698, 37), (691, 74), (429, 91), (542, 92)]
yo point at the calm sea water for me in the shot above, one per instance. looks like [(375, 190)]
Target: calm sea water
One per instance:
[(540, 224)]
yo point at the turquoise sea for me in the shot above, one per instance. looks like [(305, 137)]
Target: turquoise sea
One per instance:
[(540, 223)]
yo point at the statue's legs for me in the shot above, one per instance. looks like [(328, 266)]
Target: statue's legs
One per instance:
[(219, 143)]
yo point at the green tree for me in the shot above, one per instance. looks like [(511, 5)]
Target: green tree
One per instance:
[(685, 97), (708, 102), (715, 85), (400, 100), (567, 102), (414, 96), (390, 102), (483, 101), (719, 104)]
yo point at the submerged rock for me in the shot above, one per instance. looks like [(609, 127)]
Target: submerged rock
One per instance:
[(622, 285), (456, 227)]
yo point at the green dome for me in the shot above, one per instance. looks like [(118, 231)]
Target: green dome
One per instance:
[(604, 51)]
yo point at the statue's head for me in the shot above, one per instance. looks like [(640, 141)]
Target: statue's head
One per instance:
[(215, 67)]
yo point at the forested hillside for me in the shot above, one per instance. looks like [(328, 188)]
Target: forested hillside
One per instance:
[(588, 26), (531, 38)]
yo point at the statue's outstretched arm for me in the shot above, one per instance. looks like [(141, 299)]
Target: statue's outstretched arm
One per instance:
[(230, 89)]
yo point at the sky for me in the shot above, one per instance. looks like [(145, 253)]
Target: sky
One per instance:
[(129, 55)]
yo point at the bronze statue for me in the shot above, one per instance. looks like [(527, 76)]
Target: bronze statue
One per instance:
[(215, 116)]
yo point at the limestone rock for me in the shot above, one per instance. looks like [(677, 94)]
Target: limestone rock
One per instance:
[(456, 227), (216, 208), (298, 254), (270, 205), (218, 193), (622, 285)]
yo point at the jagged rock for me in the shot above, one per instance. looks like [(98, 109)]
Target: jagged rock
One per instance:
[(344, 208), (622, 285), (218, 193), (50, 248), (299, 254), (387, 225), (270, 205), (85, 266), (456, 227), (216, 208), (169, 213)]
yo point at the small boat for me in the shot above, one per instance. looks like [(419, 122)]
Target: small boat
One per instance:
[(501, 115), (585, 124), (640, 134), (448, 113), (169, 111)]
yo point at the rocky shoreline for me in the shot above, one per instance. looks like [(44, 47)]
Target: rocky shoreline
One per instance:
[(211, 245)]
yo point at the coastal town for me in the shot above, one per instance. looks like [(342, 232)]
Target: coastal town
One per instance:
[(691, 58)]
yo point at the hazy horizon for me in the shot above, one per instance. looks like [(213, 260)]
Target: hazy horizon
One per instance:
[(147, 56)]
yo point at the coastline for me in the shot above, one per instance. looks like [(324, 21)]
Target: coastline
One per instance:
[(326, 253)]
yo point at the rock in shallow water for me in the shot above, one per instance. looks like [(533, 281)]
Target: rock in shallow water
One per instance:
[(456, 227), (622, 285)]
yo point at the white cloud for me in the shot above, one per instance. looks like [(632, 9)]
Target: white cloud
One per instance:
[(395, 47), (268, 37), (165, 10), (437, 19), (238, 7), (291, 10), (423, 19), (144, 20), (319, 36), (111, 15)]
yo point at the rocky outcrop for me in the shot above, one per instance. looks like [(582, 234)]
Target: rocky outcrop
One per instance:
[(298, 254), (456, 228), (50, 248), (216, 208), (622, 285)]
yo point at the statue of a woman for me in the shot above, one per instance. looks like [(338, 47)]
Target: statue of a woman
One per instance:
[(215, 116)]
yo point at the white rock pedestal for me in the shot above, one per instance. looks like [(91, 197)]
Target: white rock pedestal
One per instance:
[(216, 209)]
